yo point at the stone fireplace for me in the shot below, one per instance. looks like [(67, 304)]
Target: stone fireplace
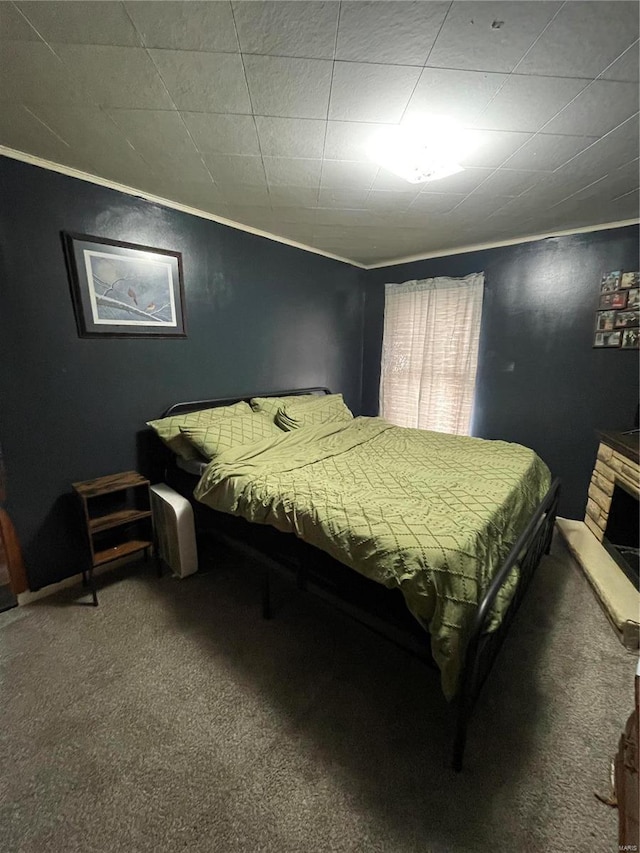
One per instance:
[(606, 544), (616, 465)]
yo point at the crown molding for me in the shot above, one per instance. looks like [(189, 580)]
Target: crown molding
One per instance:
[(175, 205), (478, 247)]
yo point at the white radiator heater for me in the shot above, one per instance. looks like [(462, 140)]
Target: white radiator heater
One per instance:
[(175, 530)]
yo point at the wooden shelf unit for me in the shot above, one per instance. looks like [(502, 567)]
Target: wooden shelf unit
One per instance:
[(118, 519)]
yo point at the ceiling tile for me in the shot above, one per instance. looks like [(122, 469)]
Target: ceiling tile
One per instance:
[(186, 168), (625, 207), (389, 200), (116, 76), (462, 182), (583, 40), (95, 22), (489, 36), (337, 233), (546, 152), (430, 202), (214, 133), (155, 134), (348, 140), (626, 68), (21, 129), (617, 183), (291, 137), (554, 188), (386, 181), (82, 126), (505, 182), (393, 33), (296, 172), (204, 82), (527, 103), (93, 132), (460, 95), (516, 209), (494, 147), (297, 232), (272, 28), (252, 195), (570, 214), (14, 26), (302, 215), (343, 174), (630, 173), (403, 226), (345, 216), (618, 210), (231, 169), (257, 217), (368, 92), (201, 194), (30, 72), (185, 26), (576, 211), (601, 107), (281, 86), (337, 198), (290, 196), (478, 207), (613, 150), (125, 166)]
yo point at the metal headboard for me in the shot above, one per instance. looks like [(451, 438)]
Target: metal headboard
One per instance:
[(195, 405)]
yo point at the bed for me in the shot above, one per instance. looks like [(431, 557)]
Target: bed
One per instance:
[(448, 529)]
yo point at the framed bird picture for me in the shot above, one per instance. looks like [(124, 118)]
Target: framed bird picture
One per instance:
[(123, 289)]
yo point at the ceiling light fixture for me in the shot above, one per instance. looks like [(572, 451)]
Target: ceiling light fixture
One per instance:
[(422, 151)]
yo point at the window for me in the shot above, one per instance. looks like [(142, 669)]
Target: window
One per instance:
[(430, 352)]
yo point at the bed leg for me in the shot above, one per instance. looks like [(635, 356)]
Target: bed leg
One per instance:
[(266, 594), (460, 739), (551, 518)]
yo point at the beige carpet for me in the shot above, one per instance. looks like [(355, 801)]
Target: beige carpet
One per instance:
[(173, 718)]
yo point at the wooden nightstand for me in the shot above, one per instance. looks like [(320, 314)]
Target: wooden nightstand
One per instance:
[(118, 519)]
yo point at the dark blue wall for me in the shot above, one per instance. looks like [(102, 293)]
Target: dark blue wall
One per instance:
[(540, 382), (261, 316)]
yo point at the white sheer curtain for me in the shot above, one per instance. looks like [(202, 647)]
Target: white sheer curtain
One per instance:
[(430, 352)]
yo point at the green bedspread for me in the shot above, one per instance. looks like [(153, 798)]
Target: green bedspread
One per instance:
[(430, 513)]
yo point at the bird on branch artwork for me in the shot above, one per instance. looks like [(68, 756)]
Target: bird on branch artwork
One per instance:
[(131, 290)]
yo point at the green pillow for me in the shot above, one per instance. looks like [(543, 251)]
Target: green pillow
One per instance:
[(226, 433), (321, 411), (270, 405), (168, 429)]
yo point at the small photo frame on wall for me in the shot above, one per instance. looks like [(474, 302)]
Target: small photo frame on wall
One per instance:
[(610, 281), (630, 279), (607, 339), (124, 289), (617, 299), (605, 321), (627, 319), (630, 339), (633, 299)]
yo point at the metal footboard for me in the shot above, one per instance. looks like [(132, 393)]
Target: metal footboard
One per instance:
[(483, 646)]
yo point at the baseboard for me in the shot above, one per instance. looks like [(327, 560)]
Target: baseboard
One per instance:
[(30, 596)]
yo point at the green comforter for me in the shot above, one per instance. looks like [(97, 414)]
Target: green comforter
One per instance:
[(430, 513)]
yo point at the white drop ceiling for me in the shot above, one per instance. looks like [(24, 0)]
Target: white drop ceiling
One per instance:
[(259, 112)]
